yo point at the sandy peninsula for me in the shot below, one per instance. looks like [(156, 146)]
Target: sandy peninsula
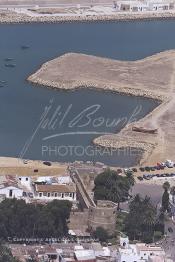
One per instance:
[(152, 77)]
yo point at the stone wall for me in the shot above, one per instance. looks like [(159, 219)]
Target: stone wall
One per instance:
[(103, 215)]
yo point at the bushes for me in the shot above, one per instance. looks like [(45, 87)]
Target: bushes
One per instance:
[(101, 234)]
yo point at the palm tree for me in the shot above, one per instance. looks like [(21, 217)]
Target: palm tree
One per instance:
[(166, 186), (131, 179), (172, 192)]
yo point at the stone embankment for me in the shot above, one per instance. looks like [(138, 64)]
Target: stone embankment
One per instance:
[(11, 17)]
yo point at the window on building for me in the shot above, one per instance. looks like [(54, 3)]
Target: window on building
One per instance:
[(44, 194), (40, 194), (62, 195), (10, 193), (48, 194), (55, 194), (19, 178), (70, 194), (52, 194), (27, 179)]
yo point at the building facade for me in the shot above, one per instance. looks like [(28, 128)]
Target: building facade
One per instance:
[(58, 191)]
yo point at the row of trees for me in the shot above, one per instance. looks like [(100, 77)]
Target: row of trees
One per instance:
[(142, 222), (18, 219), (111, 186)]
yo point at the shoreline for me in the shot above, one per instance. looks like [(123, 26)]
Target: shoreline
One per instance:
[(12, 17), (128, 78)]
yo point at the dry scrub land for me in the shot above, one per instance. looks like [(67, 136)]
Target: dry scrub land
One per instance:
[(152, 77)]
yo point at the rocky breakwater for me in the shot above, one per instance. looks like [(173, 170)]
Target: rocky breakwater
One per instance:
[(150, 77), (9, 17)]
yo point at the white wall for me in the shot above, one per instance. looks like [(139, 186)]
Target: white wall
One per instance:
[(25, 181), (16, 192), (39, 195)]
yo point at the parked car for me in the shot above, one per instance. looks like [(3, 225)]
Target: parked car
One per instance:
[(169, 163), (140, 178), (142, 169), (147, 168), (152, 168), (47, 163)]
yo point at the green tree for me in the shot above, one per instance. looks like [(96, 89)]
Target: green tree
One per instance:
[(18, 219), (140, 221), (172, 191), (131, 178), (101, 234), (166, 185), (165, 201), (111, 186)]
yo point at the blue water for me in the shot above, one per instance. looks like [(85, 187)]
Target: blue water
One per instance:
[(21, 104)]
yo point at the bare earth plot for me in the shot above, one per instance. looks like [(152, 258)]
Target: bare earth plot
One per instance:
[(152, 77), (16, 166)]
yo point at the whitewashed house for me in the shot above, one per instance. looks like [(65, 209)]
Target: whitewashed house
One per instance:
[(55, 191), (139, 252), (11, 191)]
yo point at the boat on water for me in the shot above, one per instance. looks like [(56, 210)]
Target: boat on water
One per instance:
[(3, 81), (25, 47), (10, 65), (8, 59)]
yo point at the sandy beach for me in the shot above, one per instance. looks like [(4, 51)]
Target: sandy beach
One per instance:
[(152, 77)]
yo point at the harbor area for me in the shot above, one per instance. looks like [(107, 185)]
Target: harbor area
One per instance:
[(152, 77)]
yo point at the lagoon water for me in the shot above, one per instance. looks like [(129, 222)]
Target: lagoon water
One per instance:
[(22, 105)]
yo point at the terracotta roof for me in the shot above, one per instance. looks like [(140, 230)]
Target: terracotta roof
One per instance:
[(55, 188)]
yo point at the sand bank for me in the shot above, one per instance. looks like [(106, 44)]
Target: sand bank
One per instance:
[(152, 77)]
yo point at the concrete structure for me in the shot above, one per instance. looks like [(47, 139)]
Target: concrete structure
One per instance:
[(103, 215)]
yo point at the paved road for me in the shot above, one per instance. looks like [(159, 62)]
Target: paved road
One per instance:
[(51, 3)]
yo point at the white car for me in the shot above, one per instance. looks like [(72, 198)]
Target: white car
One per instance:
[(169, 163)]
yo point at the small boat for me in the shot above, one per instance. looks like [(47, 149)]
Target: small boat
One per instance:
[(10, 65), (25, 47), (3, 81), (8, 59)]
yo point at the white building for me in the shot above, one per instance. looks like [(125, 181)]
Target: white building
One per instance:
[(142, 6), (140, 252), (25, 181), (11, 191), (55, 191)]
